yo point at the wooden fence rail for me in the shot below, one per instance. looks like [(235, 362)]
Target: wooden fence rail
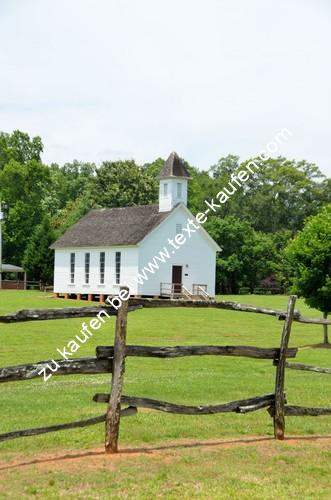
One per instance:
[(65, 367), (310, 368), (216, 304), (229, 305), (127, 412), (63, 313), (111, 359), (211, 350), (301, 411), (239, 406), (138, 303)]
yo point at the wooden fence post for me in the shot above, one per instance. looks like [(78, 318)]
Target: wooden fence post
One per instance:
[(114, 405), (279, 414), (325, 329)]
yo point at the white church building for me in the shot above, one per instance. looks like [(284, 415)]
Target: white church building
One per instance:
[(139, 247)]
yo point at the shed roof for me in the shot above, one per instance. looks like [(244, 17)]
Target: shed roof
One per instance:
[(112, 227), (9, 268)]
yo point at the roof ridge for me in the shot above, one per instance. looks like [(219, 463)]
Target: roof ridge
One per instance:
[(123, 208)]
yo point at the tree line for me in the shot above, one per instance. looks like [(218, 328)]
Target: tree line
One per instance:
[(254, 228)]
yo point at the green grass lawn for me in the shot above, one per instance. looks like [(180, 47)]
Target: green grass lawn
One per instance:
[(244, 472)]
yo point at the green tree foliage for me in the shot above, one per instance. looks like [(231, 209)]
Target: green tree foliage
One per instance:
[(68, 183), (154, 168), (247, 256), (282, 194), (38, 258), (309, 255), (72, 212), (19, 147), (224, 167), (279, 195), (252, 227), (23, 188), (124, 183)]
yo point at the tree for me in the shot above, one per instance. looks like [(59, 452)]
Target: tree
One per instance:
[(309, 255), (280, 195), (247, 256), (253, 227), (225, 166), (72, 212), (38, 258), (123, 184), (23, 188), (20, 147), (154, 168), (67, 184)]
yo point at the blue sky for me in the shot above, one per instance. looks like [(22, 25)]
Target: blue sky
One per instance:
[(109, 79)]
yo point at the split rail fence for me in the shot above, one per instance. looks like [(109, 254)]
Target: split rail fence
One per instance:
[(111, 359)]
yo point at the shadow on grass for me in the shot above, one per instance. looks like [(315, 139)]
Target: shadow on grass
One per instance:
[(152, 449)]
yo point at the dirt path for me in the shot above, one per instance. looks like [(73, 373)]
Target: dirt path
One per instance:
[(72, 460)]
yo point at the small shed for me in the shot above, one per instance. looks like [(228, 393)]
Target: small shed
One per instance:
[(9, 283)]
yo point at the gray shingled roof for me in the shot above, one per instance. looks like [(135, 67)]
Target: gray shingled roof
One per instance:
[(174, 167), (112, 226)]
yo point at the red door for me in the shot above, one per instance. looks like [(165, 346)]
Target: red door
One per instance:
[(177, 279)]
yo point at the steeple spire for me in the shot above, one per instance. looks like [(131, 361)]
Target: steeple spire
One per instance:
[(173, 183), (174, 167)]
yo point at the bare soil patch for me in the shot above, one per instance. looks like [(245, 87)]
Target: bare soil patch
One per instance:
[(72, 460)]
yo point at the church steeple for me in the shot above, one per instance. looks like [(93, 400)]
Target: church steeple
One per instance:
[(173, 183)]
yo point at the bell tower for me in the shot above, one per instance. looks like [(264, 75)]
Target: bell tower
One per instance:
[(173, 183)]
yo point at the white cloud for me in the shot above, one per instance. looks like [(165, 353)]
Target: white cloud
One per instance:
[(106, 79)]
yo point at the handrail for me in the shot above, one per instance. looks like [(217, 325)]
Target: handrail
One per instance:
[(174, 289), (177, 289), (166, 288), (187, 292), (203, 292)]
